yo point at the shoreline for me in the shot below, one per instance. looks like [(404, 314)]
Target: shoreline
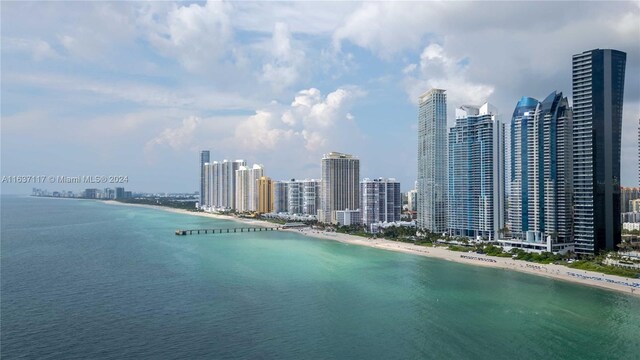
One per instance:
[(558, 272)]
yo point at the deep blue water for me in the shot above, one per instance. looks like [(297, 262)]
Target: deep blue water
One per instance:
[(86, 280)]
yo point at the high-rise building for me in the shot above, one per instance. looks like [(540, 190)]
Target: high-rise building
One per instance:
[(476, 173), (280, 196), (265, 195), (310, 196), (432, 161), (247, 187), (204, 158), (381, 200), (295, 197), (119, 194), (242, 189), (207, 189), (628, 194), (303, 197), (339, 185), (598, 92), (227, 184), (540, 202), (412, 200)]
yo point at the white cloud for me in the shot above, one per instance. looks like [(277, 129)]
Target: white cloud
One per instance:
[(198, 36), (259, 132), (439, 70), (385, 27), (38, 49), (285, 60), (176, 137), (312, 121)]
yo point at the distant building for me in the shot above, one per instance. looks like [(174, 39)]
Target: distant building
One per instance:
[(108, 193), (348, 217), (265, 195), (204, 158), (119, 193), (627, 194), (412, 200), (598, 93), (280, 196), (381, 201), (206, 196), (91, 193), (432, 161), (339, 185), (476, 173), (634, 206)]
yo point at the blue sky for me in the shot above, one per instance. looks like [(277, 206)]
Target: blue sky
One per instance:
[(138, 88)]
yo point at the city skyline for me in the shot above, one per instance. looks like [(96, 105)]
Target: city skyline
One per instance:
[(247, 80)]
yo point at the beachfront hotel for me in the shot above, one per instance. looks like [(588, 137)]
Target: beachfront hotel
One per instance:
[(598, 91), (540, 202), (381, 201), (432, 161), (339, 188), (476, 173)]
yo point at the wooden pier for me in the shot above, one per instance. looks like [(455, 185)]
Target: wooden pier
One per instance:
[(224, 231)]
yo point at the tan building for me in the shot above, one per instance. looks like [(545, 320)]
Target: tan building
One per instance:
[(340, 185), (265, 195)]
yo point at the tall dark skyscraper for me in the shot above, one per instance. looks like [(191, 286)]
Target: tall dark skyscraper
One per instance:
[(598, 92), (204, 158)]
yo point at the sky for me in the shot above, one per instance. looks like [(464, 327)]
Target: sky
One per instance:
[(137, 89)]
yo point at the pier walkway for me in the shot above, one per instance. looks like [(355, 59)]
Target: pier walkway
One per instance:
[(224, 231)]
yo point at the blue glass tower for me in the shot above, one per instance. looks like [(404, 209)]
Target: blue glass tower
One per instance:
[(541, 178), (519, 177), (476, 173)]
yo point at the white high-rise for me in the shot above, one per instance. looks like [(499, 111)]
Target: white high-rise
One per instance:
[(432, 161), (247, 187), (303, 196), (381, 200)]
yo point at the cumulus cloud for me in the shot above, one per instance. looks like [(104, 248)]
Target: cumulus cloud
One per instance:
[(439, 70), (177, 137), (312, 121), (285, 61), (385, 27), (260, 131), (198, 36)]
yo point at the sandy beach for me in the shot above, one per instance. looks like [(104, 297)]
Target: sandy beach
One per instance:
[(560, 272)]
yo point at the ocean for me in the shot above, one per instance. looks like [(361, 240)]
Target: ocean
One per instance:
[(82, 279)]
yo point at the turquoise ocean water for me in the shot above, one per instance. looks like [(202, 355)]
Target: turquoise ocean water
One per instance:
[(85, 280)]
